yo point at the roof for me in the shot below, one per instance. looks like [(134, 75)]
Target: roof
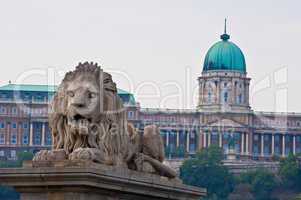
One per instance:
[(225, 55), (29, 88), (127, 97)]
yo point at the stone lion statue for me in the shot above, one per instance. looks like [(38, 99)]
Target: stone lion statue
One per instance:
[(88, 122)]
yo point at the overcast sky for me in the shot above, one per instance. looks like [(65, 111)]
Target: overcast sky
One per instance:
[(154, 48)]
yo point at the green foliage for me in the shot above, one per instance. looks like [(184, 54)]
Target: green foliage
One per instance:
[(290, 172), (179, 152), (242, 191), (206, 170), (22, 156), (276, 158), (262, 183), (8, 193)]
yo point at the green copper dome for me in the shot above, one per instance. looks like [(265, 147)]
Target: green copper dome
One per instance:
[(225, 55)]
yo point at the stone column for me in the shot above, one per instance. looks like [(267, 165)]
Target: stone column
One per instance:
[(200, 140), (247, 143), (31, 134), (43, 135), (273, 144), (242, 143), (283, 145), (19, 134), (247, 93), (167, 138), (262, 145), (220, 139), (294, 144), (187, 141), (8, 129), (178, 139), (209, 139), (205, 139)]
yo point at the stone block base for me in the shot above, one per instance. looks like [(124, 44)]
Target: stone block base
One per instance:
[(89, 181)]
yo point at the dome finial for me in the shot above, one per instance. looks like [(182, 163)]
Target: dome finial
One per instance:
[(225, 36), (225, 29)]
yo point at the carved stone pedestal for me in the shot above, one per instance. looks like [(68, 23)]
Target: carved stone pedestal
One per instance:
[(231, 154), (68, 180)]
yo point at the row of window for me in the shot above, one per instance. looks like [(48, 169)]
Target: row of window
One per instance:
[(277, 138), (13, 154), (25, 139), (13, 125), (26, 97), (267, 150), (239, 99), (26, 110)]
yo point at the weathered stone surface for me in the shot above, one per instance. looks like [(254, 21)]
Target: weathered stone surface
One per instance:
[(96, 154), (89, 180), (88, 122)]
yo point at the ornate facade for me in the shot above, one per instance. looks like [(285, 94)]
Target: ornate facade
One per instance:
[(223, 115)]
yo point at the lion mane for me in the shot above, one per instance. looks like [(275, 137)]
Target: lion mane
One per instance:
[(110, 126)]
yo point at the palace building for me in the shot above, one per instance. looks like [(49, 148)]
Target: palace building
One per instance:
[(222, 116)]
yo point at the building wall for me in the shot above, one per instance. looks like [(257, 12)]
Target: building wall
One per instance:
[(257, 135)]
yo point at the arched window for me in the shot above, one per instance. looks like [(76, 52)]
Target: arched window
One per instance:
[(225, 97), (209, 97), (239, 99)]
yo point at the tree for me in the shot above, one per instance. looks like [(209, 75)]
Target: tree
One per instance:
[(290, 172), (242, 191), (8, 193), (22, 156), (206, 170), (261, 181)]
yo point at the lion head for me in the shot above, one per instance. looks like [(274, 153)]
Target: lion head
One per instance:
[(87, 112)]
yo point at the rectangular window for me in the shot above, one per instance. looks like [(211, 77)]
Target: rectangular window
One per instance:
[(298, 139), (130, 115), (277, 150), (256, 150), (266, 138), (239, 99), (2, 153), (287, 150), (2, 139), (14, 125), (226, 97), (13, 139), (2, 125), (266, 150), (256, 137), (209, 97), (37, 139), (225, 147), (2, 110), (298, 149), (191, 147), (25, 139), (277, 138), (25, 125), (13, 154), (14, 110), (214, 138)]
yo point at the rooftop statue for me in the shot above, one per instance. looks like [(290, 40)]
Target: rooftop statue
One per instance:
[(88, 122)]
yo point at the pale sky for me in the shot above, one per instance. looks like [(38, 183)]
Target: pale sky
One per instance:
[(159, 45)]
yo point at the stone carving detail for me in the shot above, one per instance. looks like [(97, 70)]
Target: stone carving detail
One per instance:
[(88, 122)]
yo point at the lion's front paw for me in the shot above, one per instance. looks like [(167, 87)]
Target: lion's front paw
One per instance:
[(54, 155), (87, 154)]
